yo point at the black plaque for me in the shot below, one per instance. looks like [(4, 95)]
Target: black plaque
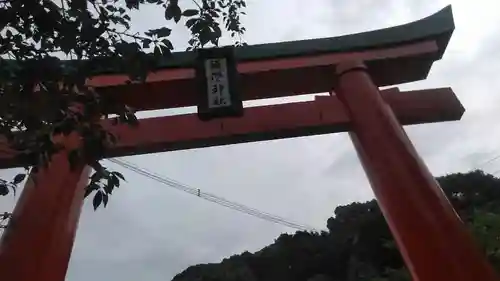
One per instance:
[(217, 79)]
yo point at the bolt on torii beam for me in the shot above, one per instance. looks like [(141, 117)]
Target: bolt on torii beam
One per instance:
[(433, 241)]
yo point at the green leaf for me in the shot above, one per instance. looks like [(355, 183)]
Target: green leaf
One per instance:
[(177, 16), (19, 178), (96, 176), (97, 200), (108, 188), (111, 8), (161, 32), (173, 12), (116, 181), (167, 43), (132, 4), (91, 187), (146, 43), (105, 198), (113, 182), (4, 189), (118, 174), (165, 51), (217, 32), (190, 13), (214, 14), (205, 36), (191, 22)]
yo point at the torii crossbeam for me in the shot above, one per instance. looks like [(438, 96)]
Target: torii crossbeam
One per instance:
[(433, 241)]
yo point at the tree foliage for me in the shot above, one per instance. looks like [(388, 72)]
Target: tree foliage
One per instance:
[(358, 245), (48, 50)]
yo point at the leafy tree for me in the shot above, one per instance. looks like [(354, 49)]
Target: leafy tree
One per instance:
[(48, 49), (486, 229), (358, 245)]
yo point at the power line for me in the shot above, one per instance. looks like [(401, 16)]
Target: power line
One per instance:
[(490, 160), (212, 197), (494, 158)]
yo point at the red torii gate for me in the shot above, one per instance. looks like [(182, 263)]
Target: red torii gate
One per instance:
[(433, 241)]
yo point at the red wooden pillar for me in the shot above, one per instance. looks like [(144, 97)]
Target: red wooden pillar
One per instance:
[(431, 237), (38, 241)]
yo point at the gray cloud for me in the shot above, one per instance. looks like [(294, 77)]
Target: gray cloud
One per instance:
[(151, 232)]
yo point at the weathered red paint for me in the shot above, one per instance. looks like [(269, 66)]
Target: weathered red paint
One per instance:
[(38, 242), (433, 241), (323, 115)]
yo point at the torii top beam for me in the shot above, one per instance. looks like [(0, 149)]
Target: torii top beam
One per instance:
[(393, 55)]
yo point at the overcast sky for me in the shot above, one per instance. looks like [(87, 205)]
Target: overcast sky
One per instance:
[(151, 232)]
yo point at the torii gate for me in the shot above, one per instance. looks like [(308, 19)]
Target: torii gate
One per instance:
[(433, 241)]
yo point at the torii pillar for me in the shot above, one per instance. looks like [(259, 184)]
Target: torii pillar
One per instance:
[(434, 243), (431, 237)]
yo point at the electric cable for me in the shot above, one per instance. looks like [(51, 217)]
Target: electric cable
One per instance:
[(211, 197)]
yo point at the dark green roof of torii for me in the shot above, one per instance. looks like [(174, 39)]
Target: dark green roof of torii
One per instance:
[(438, 26)]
